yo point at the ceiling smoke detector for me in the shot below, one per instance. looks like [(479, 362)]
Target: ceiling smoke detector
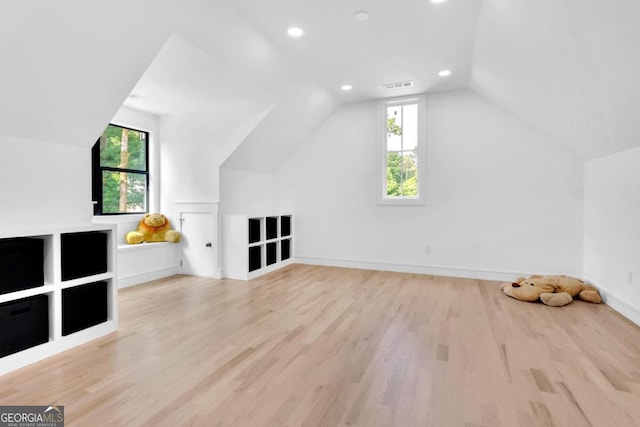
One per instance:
[(362, 16), (398, 85)]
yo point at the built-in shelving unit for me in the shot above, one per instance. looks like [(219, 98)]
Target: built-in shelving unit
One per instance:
[(256, 244), (57, 290)]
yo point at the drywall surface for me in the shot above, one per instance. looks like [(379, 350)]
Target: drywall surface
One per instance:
[(44, 183), (193, 148), (501, 199), (611, 229), (243, 192)]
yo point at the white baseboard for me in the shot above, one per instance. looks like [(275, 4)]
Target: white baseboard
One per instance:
[(146, 276), (620, 305), (435, 270)]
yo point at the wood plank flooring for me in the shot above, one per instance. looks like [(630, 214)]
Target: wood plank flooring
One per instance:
[(320, 346)]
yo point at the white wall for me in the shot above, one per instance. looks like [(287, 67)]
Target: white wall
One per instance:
[(501, 199), (44, 184), (142, 263), (194, 146), (611, 229), (253, 193)]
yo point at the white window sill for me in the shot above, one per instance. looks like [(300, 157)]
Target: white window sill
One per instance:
[(117, 219), (143, 246), (400, 201)]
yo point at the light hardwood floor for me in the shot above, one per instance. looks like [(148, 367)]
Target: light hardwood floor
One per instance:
[(319, 346)]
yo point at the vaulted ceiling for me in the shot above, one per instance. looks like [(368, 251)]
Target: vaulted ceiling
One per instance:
[(401, 41), (566, 67)]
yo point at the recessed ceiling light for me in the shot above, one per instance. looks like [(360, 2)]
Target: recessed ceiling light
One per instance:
[(444, 73), (295, 31), (362, 16), (346, 88), (438, 1)]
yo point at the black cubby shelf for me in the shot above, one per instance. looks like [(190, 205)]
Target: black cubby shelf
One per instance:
[(58, 289), (253, 245)]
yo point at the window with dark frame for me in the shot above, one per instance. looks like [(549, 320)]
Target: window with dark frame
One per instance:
[(120, 171)]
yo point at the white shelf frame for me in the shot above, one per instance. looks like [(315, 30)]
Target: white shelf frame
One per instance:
[(236, 245), (53, 286)]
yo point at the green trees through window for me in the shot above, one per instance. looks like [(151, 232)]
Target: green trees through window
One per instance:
[(120, 171), (402, 150), (402, 179)]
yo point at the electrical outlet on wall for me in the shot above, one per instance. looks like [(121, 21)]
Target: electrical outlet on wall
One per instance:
[(427, 249), (629, 277)]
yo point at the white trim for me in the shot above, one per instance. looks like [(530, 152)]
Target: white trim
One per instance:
[(436, 270), (381, 163), (268, 269), (620, 305), (146, 276), (403, 201), (117, 219), (199, 207), (142, 246), (204, 207)]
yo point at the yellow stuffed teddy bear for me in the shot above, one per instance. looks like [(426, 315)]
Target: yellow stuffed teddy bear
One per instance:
[(555, 291), (153, 228)]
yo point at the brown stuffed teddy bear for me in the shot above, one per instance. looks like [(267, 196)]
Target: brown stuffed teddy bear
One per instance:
[(153, 228), (555, 291)]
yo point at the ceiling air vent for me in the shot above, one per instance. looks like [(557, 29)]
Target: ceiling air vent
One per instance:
[(398, 85)]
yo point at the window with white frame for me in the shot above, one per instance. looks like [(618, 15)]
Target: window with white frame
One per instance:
[(401, 150)]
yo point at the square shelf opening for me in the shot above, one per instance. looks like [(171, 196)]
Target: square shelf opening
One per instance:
[(255, 258), (285, 249), (24, 323), (272, 253), (285, 225), (84, 306), (83, 254), (21, 264), (254, 230), (272, 227)]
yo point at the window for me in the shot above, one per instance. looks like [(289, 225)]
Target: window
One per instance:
[(402, 150), (120, 160)]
